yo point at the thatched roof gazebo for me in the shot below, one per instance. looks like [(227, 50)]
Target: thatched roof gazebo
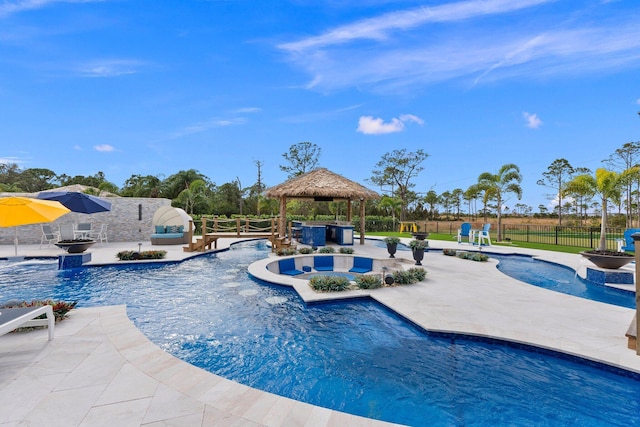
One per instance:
[(321, 185)]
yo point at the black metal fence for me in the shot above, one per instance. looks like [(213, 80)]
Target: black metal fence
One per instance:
[(576, 236), (583, 237)]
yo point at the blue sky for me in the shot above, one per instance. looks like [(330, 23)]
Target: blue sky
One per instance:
[(153, 87)]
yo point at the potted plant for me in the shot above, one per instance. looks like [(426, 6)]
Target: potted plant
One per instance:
[(418, 247), (607, 185), (392, 245)]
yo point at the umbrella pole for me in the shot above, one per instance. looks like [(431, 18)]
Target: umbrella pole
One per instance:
[(15, 243)]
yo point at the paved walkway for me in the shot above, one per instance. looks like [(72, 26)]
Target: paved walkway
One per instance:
[(101, 370)]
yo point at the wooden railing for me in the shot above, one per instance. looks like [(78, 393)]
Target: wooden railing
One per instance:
[(215, 228)]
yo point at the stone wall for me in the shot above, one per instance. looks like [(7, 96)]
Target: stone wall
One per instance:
[(129, 220)]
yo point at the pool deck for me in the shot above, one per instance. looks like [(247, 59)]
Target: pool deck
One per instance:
[(101, 370)]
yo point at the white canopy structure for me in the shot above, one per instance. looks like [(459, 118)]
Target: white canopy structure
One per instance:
[(168, 215)]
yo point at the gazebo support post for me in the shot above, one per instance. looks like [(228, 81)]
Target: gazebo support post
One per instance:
[(282, 221), (349, 210), (362, 221)]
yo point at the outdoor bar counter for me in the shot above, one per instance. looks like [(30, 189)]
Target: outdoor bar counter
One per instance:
[(318, 233)]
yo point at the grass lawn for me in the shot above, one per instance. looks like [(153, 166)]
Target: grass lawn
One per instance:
[(449, 238)]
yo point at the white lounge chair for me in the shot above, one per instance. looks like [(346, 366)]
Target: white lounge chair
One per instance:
[(13, 318), (483, 235), (100, 235), (82, 230), (48, 235), (67, 232)]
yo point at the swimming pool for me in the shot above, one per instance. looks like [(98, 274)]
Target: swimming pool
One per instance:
[(560, 278), (352, 356)]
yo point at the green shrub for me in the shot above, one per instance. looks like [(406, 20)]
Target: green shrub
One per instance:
[(402, 277), (329, 283), (410, 276), (285, 252), (474, 256), (134, 255), (449, 252), (326, 250), (416, 244), (418, 274), (369, 281), (391, 240), (346, 250), (305, 250), (60, 308)]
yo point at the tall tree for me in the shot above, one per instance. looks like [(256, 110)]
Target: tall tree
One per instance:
[(456, 198), (390, 205), (556, 176), (174, 184), (33, 180), (256, 190), (301, 158), (621, 160), (89, 181), (607, 185), (498, 185), (397, 170), (471, 195), (227, 198), (193, 196), (9, 174), (431, 199), (446, 201), (141, 186)]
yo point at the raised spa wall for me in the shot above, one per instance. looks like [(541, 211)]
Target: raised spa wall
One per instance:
[(341, 262)]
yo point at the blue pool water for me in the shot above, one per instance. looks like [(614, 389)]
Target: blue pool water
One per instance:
[(352, 356), (560, 278)]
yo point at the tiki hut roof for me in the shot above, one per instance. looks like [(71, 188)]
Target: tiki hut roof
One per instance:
[(321, 185)]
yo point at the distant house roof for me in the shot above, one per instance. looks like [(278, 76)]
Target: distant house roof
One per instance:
[(78, 188)]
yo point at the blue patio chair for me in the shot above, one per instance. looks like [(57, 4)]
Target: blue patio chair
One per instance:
[(323, 263), (626, 243), (464, 232), (361, 265), (288, 266), (483, 235)]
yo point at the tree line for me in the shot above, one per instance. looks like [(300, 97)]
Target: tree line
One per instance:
[(576, 190)]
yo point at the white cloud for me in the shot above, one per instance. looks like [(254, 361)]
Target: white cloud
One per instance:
[(638, 101), (413, 47), (533, 121), (77, 147), (9, 160), (105, 148), (248, 110), (406, 118), (378, 28), (376, 126), (208, 124), (16, 6), (109, 68)]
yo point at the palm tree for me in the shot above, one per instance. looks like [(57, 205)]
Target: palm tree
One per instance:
[(191, 196), (391, 204), (496, 186), (608, 185)]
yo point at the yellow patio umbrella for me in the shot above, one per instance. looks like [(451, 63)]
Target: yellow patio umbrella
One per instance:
[(16, 211)]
